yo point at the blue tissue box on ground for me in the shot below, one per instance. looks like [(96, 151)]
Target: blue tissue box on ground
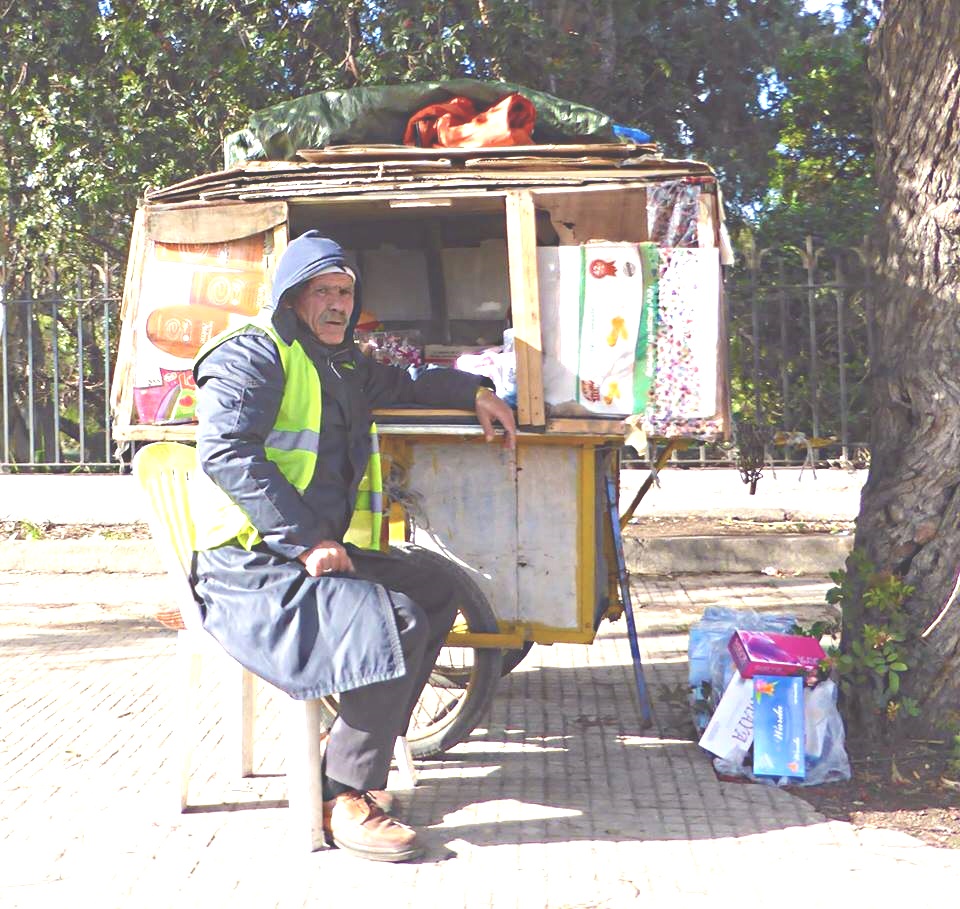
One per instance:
[(778, 730)]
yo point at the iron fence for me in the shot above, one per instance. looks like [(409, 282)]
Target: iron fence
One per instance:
[(801, 341), (56, 360)]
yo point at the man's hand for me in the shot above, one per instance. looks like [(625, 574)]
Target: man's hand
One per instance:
[(327, 557), (492, 409)]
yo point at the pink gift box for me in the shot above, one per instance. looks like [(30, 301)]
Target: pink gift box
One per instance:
[(768, 653)]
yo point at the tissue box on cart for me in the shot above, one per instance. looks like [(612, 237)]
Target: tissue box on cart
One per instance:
[(768, 653), (778, 726)]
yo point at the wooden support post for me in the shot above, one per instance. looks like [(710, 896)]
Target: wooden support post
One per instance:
[(525, 304), (277, 242), (708, 224), (121, 392)]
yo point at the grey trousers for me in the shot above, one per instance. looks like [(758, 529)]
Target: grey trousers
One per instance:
[(363, 735)]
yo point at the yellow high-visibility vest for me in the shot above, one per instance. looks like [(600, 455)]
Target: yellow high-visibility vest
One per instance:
[(292, 446)]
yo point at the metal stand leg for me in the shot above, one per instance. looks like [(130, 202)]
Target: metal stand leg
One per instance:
[(646, 714)]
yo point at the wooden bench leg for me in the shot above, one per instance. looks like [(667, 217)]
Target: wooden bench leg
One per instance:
[(305, 725), (188, 682), (404, 760), (247, 708)]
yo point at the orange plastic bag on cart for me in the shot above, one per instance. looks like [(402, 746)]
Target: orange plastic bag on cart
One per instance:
[(456, 124)]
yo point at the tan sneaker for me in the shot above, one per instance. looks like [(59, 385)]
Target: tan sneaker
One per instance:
[(354, 822)]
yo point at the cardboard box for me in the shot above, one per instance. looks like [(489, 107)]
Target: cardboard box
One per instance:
[(592, 306), (768, 653), (778, 726), (730, 731)]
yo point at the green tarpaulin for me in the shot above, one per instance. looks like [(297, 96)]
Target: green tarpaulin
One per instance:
[(378, 115)]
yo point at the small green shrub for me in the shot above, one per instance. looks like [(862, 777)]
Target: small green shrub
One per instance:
[(876, 661)]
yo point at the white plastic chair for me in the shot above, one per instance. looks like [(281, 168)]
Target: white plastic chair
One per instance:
[(162, 470)]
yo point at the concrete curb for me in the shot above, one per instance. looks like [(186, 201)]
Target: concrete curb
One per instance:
[(805, 554), (80, 556)]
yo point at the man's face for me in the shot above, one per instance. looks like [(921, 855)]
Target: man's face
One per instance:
[(324, 305)]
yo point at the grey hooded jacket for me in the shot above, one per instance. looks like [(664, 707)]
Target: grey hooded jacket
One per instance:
[(309, 636)]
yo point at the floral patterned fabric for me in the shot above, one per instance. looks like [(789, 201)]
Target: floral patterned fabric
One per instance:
[(684, 397)]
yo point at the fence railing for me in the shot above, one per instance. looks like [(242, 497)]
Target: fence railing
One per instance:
[(801, 341), (56, 360)]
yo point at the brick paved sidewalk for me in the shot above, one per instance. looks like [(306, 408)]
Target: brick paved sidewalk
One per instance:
[(559, 801)]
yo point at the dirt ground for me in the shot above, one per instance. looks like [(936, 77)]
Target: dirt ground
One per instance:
[(25, 530), (648, 526), (911, 791), (914, 790)]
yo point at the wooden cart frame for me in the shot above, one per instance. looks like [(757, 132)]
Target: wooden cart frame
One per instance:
[(579, 193)]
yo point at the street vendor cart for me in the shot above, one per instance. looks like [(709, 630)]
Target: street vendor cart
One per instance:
[(583, 278)]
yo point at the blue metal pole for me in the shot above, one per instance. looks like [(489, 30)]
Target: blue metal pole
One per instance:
[(646, 713)]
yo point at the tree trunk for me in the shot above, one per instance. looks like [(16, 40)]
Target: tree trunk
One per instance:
[(909, 520)]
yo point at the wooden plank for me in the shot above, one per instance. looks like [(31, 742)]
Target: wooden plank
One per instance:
[(201, 179), (723, 359), (585, 216), (412, 186), (215, 224), (586, 426), (151, 432), (544, 175), (359, 169), (525, 306), (121, 391), (708, 226), (416, 182), (374, 160), (539, 162), (425, 413), (414, 178), (277, 243), (343, 152), (482, 199), (247, 188)]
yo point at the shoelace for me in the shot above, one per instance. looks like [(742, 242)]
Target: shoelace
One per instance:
[(376, 812)]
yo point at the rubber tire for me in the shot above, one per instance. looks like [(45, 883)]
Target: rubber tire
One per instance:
[(480, 680), (513, 658)]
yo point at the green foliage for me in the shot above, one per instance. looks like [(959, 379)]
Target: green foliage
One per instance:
[(817, 629), (102, 100), (99, 101), (27, 530), (876, 659), (822, 174)]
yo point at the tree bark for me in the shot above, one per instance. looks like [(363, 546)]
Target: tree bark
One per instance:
[(909, 520)]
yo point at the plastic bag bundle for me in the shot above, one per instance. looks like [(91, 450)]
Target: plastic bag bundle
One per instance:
[(710, 664), (824, 748)]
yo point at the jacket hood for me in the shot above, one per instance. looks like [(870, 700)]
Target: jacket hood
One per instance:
[(304, 258)]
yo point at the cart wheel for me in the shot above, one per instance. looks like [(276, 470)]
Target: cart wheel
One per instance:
[(463, 680), (513, 658)]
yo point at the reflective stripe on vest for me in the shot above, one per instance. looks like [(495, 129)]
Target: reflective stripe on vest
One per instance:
[(292, 446)]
